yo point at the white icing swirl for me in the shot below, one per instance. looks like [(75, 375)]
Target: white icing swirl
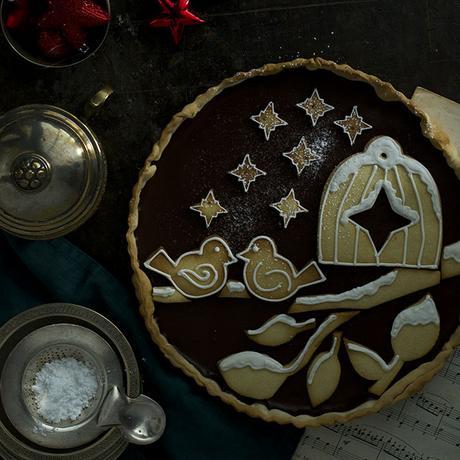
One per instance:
[(422, 313)]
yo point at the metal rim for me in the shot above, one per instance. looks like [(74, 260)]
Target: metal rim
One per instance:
[(81, 211), (110, 445), (29, 58)]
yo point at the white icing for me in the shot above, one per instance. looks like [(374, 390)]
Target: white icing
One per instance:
[(259, 361), (163, 291), (253, 246), (235, 286), (452, 252), (199, 280), (192, 275), (422, 313), (283, 319), (314, 369), (383, 152), (394, 157), (395, 203), (345, 196), (374, 356), (270, 289), (356, 293)]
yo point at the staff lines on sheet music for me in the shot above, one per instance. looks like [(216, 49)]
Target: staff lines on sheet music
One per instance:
[(451, 370), (383, 442)]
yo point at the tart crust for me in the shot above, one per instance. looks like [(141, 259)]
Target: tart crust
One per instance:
[(403, 388)]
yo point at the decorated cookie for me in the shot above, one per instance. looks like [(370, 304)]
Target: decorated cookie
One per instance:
[(288, 207), (413, 334), (294, 238), (259, 376), (315, 107), (199, 273), (272, 277), (354, 187), (324, 373), (268, 120), (278, 330)]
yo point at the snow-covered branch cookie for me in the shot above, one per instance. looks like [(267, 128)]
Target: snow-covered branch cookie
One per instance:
[(278, 330), (450, 263), (256, 375), (393, 285)]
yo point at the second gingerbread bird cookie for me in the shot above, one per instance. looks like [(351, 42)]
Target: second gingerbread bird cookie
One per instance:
[(270, 276)]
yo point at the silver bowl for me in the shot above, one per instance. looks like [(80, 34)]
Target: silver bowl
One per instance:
[(96, 443)]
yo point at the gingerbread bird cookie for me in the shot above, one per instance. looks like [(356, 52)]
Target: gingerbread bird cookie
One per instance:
[(196, 274), (270, 276)]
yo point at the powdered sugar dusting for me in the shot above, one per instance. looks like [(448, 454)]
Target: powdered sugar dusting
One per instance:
[(64, 388)]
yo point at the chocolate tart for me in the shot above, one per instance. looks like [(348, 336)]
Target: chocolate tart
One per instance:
[(373, 315)]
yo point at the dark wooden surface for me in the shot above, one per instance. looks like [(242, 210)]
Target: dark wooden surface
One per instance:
[(408, 43)]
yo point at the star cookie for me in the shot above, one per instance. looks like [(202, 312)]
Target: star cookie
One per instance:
[(315, 107), (268, 120), (301, 156), (209, 208), (353, 125), (289, 207), (247, 172)]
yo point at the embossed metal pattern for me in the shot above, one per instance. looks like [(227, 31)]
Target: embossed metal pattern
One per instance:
[(110, 445), (53, 172), (31, 172)]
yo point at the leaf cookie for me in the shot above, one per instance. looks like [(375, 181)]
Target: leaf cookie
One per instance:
[(324, 373), (278, 330)]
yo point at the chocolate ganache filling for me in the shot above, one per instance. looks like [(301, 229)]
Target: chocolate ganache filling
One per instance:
[(199, 157)]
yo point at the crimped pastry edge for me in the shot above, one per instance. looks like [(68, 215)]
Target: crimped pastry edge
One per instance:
[(403, 388)]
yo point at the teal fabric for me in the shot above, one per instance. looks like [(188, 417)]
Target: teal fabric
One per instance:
[(199, 427)]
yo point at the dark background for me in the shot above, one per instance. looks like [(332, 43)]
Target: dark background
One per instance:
[(405, 42)]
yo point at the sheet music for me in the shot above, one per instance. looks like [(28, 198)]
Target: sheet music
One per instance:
[(425, 427)]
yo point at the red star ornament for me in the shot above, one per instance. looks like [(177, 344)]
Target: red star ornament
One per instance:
[(72, 18), (175, 15)]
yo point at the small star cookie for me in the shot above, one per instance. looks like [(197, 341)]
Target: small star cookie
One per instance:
[(289, 207), (268, 120), (353, 125), (247, 172), (315, 107), (209, 208), (301, 156)]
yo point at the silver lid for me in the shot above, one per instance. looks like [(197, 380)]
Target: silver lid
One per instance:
[(52, 172)]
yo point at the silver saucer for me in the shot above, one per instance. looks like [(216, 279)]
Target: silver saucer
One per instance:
[(17, 337)]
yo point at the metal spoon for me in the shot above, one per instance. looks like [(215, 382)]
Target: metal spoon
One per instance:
[(141, 420)]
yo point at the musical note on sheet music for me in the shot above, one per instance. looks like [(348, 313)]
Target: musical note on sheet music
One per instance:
[(425, 427)]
